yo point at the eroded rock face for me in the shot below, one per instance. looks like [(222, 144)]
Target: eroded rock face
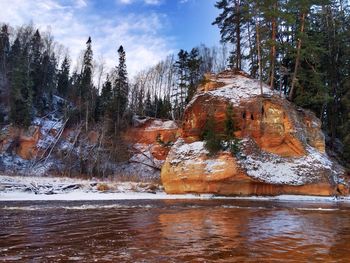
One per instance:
[(23, 142), (189, 169), (149, 130), (282, 149), (154, 135), (275, 124)]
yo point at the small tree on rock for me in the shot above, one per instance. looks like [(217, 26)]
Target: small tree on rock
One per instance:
[(212, 141), (230, 138)]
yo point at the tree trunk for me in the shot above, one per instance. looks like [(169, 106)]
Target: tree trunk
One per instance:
[(297, 59), (273, 48), (238, 35), (252, 71), (87, 117), (259, 52)]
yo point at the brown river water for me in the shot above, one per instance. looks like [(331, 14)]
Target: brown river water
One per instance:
[(175, 231)]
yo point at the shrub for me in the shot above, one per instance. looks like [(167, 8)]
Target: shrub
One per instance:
[(230, 139), (212, 141)]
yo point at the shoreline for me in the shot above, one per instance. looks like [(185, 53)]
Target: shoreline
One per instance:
[(125, 196), (23, 188)]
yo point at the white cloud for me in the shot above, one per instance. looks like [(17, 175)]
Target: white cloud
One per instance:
[(80, 3), (147, 2), (152, 2), (71, 23), (126, 2)]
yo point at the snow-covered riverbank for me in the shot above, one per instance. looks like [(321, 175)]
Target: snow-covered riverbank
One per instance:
[(19, 188)]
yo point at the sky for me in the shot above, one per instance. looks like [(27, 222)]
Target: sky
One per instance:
[(149, 30)]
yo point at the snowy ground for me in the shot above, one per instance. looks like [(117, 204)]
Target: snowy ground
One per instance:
[(18, 188)]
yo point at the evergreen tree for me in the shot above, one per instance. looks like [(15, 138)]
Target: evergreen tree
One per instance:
[(4, 85), (4, 53), (36, 74), (74, 95), (232, 24), (149, 109), (230, 138), (49, 81), (212, 141), (122, 85), (86, 92), (181, 90), (106, 97), (63, 82), (120, 93), (194, 76), (166, 109), (20, 96)]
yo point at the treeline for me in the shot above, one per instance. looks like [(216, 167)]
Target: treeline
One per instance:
[(300, 47), (30, 77), (169, 86), (32, 73)]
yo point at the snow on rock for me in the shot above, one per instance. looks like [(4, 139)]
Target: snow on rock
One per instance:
[(139, 121), (274, 169), (46, 127), (153, 124), (182, 151), (189, 155), (144, 156), (161, 125), (240, 87), (236, 88), (282, 148)]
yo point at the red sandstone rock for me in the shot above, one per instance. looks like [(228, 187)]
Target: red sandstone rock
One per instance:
[(282, 149)]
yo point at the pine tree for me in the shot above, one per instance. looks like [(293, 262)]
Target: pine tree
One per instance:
[(49, 81), (63, 82), (212, 141), (181, 90), (194, 76), (120, 91), (231, 22), (230, 138), (21, 95), (4, 53), (105, 97), (36, 74), (149, 109), (86, 93), (4, 56), (166, 110)]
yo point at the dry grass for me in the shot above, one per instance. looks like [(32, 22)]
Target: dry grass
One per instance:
[(103, 187)]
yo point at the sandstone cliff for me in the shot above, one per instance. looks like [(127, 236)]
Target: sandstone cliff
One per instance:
[(49, 147), (281, 149)]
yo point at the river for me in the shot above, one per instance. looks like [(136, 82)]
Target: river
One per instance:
[(174, 231)]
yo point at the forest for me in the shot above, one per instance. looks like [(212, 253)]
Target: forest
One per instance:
[(300, 48)]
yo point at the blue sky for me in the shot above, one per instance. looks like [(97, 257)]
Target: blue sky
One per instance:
[(148, 29)]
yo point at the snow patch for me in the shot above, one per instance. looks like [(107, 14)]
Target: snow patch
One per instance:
[(138, 121), (144, 156), (47, 129), (182, 151), (161, 125), (274, 169), (240, 87)]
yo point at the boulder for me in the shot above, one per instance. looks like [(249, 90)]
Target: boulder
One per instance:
[(281, 149)]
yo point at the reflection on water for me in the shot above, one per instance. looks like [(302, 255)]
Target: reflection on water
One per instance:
[(174, 231)]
